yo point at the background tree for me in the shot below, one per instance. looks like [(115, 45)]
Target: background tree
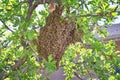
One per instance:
[(26, 32)]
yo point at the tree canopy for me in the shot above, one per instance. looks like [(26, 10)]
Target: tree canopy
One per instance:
[(26, 32)]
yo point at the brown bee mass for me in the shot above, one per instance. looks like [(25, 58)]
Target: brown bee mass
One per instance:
[(55, 36)]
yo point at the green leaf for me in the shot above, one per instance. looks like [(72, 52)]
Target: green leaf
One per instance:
[(30, 34), (112, 78), (114, 14)]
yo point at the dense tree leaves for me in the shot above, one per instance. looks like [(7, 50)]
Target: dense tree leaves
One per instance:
[(19, 29)]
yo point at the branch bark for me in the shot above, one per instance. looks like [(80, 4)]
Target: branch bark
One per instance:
[(33, 4)]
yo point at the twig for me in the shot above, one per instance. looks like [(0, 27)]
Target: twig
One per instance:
[(33, 50), (31, 47), (6, 25), (18, 64), (24, 70), (3, 75), (87, 70), (77, 76)]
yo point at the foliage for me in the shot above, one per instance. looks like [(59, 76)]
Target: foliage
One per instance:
[(17, 34), (102, 58)]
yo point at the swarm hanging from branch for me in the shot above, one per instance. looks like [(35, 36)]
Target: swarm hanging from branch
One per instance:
[(56, 36)]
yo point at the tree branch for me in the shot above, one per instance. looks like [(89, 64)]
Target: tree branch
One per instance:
[(107, 13), (15, 67), (33, 5), (31, 8)]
